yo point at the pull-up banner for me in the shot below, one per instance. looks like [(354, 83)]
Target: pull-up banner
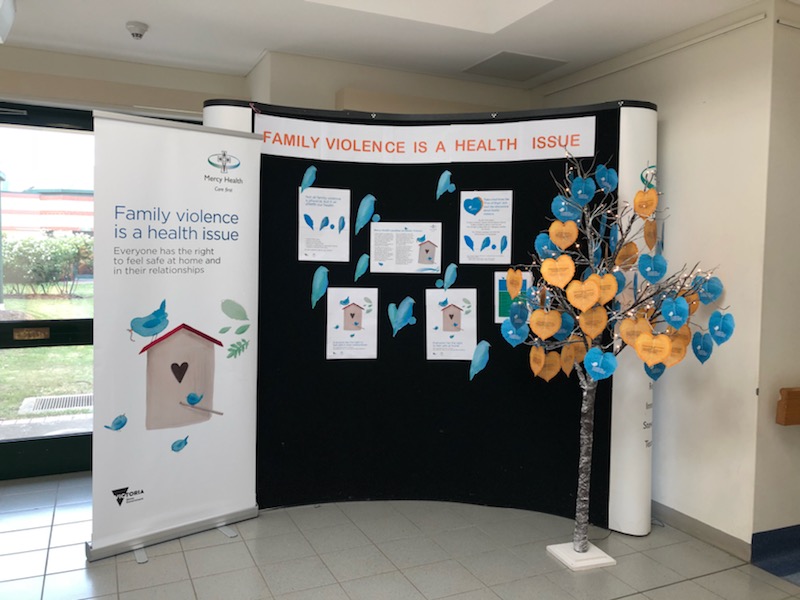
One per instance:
[(175, 331)]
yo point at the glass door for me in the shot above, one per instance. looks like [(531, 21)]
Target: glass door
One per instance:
[(46, 290)]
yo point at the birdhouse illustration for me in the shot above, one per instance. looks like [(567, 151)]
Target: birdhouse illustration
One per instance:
[(451, 318), (180, 378), (427, 253), (353, 317)]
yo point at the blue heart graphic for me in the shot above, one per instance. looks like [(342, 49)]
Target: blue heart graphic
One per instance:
[(564, 209), (518, 312), (710, 290), (655, 371), (473, 205), (620, 277), (702, 346), (721, 326), (583, 190), (567, 325), (675, 311), (545, 247), (599, 365), (514, 336), (652, 268)]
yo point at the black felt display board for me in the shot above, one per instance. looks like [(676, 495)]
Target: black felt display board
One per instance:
[(402, 427)]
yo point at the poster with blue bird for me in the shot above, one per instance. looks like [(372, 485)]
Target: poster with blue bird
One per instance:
[(352, 323), (451, 323), (405, 247), (485, 227), (323, 224)]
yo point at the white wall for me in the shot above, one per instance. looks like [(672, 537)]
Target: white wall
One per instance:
[(777, 486), (713, 101)]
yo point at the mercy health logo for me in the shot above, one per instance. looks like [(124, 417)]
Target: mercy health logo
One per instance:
[(224, 162), (123, 495)]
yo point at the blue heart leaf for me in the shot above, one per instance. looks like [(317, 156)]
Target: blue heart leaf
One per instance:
[(675, 311), (473, 205), (565, 209), (721, 326), (702, 346), (655, 371), (620, 277), (545, 247), (567, 325), (518, 311), (710, 290), (599, 365), (652, 268), (514, 335), (583, 190), (607, 179)]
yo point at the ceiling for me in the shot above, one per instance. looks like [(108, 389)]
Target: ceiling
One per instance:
[(520, 43)]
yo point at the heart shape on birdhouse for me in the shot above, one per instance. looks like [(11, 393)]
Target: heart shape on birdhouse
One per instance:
[(179, 370), (608, 285), (551, 367), (650, 234), (545, 323), (583, 295), (599, 365), (514, 282), (653, 349), (626, 257), (536, 359), (630, 329), (558, 271), (593, 321), (563, 234), (645, 202)]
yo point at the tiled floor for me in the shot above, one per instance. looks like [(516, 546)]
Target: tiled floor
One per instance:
[(355, 551)]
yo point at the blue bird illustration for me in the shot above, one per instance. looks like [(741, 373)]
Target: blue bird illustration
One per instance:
[(361, 266), (179, 445), (118, 423), (480, 358), (308, 178), (450, 275), (444, 184), (319, 285), (193, 398), (365, 211), (402, 315), (444, 302), (152, 324)]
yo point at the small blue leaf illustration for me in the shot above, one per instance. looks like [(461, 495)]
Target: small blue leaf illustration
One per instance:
[(468, 241), (309, 221), (325, 222), (341, 224), (485, 243), (503, 244)]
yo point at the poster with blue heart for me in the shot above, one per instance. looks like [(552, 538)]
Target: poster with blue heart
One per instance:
[(405, 247), (323, 224), (485, 227), (451, 324), (352, 323)]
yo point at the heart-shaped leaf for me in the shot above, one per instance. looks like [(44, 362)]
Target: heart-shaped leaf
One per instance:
[(655, 371), (631, 329), (567, 325), (514, 282), (563, 234), (675, 311), (583, 295), (536, 359), (599, 365), (652, 268), (558, 271), (645, 202), (593, 322), (551, 367), (650, 234), (607, 178), (583, 190), (565, 209), (626, 257), (711, 290), (545, 247), (653, 349), (721, 326), (702, 346), (608, 286), (518, 311), (545, 323), (514, 335)]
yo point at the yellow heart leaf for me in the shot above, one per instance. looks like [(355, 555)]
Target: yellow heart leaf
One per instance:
[(630, 329), (628, 255), (552, 365), (583, 295), (650, 234), (564, 234), (514, 282), (567, 358), (653, 349), (645, 203), (545, 323), (558, 271), (593, 322), (608, 286), (682, 335), (536, 359), (676, 354)]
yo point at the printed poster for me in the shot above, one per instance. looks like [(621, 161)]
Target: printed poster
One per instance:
[(405, 247), (485, 227), (451, 329), (323, 225), (352, 323)]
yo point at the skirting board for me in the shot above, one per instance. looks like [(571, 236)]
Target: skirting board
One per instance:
[(169, 534), (706, 533)]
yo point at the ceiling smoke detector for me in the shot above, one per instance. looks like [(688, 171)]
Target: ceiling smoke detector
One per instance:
[(137, 29)]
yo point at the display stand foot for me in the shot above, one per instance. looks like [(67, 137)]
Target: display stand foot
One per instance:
[(593, 558)]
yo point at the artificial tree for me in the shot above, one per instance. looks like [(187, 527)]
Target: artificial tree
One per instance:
[(599, 284)]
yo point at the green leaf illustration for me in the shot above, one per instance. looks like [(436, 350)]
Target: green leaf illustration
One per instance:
[(235, 350), (225, 330), (234, 310), (242, 329)]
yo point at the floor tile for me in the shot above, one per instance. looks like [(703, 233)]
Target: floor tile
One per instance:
[(483, 594), (316, 516), (497, 566), (388, 586), (660, 535), (245, 584), (24, 540), (412, 552), (22, 589), (28, 501), (71, 533), (442, 579), (366, 510), (206, 539), (268, 522), (769, 578), (643, 573), (693, 558), (538, 558), (393, 526), (83, 583), (514, 532), (158, 570), (596, 584), (178, 590), (534, 588), (295, 575), (277, 548), (170, 547), (552, 526), (613, 545), (74, 494), (218, 559), (72, 513), (338, 537), (29, 485), (22, 565), (355, 563), (70, 558), (480, 515), (463, 542), (328, 592), (431, 517), (685, 590), (26, 519), (737, 585)]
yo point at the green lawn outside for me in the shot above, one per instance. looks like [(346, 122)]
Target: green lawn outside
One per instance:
[(54, 307)]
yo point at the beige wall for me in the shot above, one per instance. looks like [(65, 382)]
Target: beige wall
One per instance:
[(712, 88)]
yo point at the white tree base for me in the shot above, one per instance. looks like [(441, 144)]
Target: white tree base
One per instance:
[(593, 558)]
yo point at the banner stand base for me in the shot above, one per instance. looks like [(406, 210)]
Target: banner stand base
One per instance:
[(593, 558), (166, 535)]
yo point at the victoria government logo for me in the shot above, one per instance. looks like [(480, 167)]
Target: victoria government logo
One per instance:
[(122, 495), (224, 162)]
